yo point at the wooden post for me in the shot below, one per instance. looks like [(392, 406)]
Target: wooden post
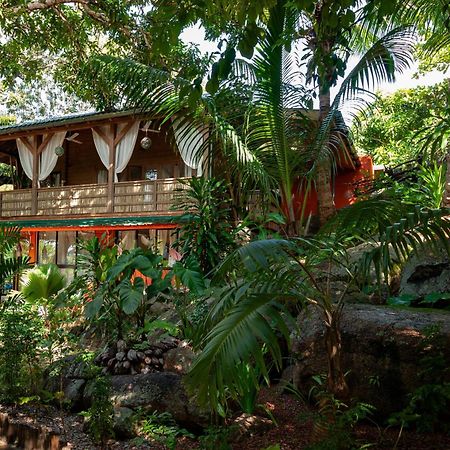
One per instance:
[(111, 168), (35, 180)]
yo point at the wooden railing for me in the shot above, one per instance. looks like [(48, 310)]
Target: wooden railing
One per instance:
[(92, 199)]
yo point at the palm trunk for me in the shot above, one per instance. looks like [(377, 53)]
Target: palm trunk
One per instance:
[(333, 343), (325, 200)]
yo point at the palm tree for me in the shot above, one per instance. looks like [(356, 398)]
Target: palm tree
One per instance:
[(262, 135), (256, 286)]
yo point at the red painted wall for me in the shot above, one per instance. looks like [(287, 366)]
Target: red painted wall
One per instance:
[(343, 188)]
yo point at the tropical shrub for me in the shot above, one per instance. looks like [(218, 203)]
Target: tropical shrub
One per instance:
[(207, 234), (100, 415), (21, 335), (255, 287)]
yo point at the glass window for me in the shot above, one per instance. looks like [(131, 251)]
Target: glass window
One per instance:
[(47, 247), (127, 239), (66, 251)]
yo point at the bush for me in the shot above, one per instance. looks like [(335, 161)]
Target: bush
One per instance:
[(21, 332)]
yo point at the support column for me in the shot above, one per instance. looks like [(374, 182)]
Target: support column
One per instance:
[(35, 180), (111, 168)]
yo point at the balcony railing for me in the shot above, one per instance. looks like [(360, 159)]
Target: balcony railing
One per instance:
[(92, 199)]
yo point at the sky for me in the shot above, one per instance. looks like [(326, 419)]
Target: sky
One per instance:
[(404, 80)]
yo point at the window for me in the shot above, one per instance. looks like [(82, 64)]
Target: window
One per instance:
[(47, 247)]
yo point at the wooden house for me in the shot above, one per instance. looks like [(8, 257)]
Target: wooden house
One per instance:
[(115, 173)]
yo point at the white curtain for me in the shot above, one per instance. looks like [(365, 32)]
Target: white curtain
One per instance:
[(26, 158), (124, 148), (102, 146), (48, 156), (189, 142)]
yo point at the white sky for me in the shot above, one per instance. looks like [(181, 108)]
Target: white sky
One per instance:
[(405, 80)]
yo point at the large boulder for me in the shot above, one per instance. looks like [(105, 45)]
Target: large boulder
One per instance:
[(381, 350), (425, 274), (162, 392)]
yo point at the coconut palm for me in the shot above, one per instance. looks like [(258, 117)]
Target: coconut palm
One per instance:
[(261, 132)]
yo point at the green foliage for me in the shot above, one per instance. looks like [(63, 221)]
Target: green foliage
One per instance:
[(43, 283), (10, 264), (428, 407), (100, 415), (162, 428), (207, 235), (21, 333), (334, 420), (216, 438), (392, 131)]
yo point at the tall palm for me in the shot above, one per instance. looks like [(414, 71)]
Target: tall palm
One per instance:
[(258, 134)]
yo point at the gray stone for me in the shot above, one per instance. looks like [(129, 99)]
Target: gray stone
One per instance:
[(381, 349), (120, 356), (73, 392), (178, 359), (162, 392), (121, 346), (132, 355), (425, 274), (123, 423)]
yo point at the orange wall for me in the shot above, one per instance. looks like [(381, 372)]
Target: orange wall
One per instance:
[(343, 188)]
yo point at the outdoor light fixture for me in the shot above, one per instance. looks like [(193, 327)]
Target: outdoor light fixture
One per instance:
[(146, 143), (59, 151)]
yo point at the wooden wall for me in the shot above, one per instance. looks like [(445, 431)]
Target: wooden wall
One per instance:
[(81, 163)]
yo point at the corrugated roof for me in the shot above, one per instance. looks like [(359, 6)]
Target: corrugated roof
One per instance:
[(63, 120)]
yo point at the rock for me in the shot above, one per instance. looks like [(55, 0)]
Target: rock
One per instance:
[(249, 424), (381, 349), (121, 346), (73, 393), (162, 392), (178, 359), (425, 274), (123, 423), (120, 356), (132, 355), (159, 308)]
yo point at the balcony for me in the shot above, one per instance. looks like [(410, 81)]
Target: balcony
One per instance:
[(129, 197)]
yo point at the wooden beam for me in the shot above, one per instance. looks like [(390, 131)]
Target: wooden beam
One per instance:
[(44, 143), (122, 134), (27, 144), (107, 139), (111, 169)]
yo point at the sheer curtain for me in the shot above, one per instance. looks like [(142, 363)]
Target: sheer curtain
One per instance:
[(101, 146), (26, 158), (48, 157), (190, 141), (124, 148)]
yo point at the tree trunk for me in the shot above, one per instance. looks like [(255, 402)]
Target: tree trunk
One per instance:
[(333, 343), (325, 200)]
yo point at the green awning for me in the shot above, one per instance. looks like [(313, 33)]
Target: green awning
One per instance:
[(96, 221)]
